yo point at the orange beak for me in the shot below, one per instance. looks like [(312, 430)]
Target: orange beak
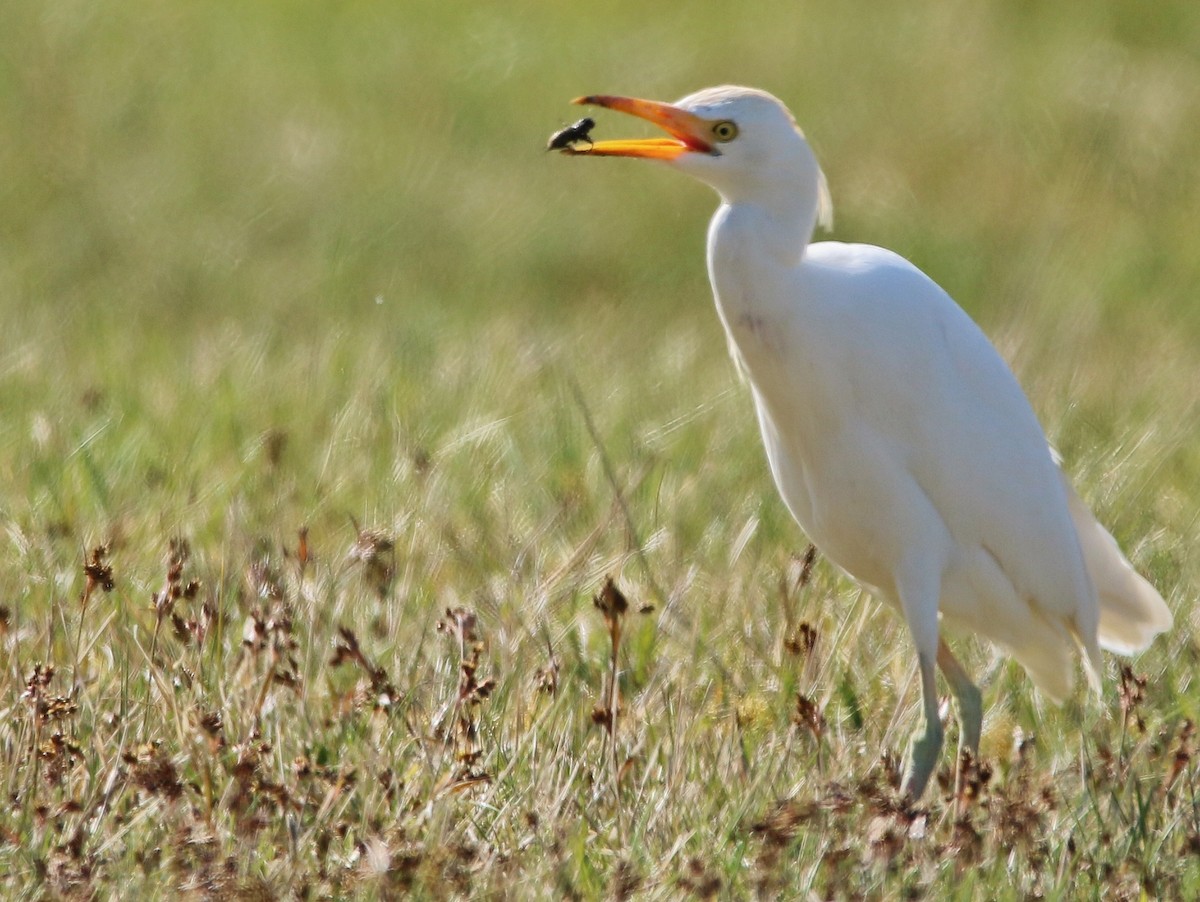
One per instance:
[(689, 133)]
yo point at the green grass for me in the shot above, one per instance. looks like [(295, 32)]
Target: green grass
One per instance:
[(281, 266)]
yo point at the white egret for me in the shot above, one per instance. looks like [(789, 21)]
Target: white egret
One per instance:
[(896, 434)]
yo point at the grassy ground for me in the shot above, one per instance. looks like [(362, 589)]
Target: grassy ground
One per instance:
[(330, 400)]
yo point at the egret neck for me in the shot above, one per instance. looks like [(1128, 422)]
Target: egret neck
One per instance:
[(749, 243), (757, 239)]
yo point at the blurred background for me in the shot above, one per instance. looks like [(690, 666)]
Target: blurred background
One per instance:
[(218, 216)]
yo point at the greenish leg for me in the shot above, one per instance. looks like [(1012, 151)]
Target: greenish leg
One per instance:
[(926, 745), (970, 710), (968, 698)]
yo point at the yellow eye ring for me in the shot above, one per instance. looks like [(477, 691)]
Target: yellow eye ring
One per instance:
[(725, 131)]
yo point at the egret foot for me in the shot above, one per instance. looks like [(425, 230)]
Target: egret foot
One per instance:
[(922, 758)]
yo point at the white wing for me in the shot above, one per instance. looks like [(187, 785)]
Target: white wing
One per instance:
[(927, 382)]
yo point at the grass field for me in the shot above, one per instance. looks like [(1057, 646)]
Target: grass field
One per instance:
[(330, 400)]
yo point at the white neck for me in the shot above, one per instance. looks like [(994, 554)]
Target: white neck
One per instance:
[(751, 246), (780, 229)]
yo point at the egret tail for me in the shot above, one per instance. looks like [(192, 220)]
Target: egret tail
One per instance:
[(1132, 612)]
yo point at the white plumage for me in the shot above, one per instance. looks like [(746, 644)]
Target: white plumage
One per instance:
[(896, 434)]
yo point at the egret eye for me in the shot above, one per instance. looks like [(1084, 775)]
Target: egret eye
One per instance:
[(725, 131)]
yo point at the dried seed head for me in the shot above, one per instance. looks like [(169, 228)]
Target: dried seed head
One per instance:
[(369, 544), (56, 707), (974, 777), (808, 716), (211, 723), (375, 552), (783, 821), (57, 753), (459, 623), (1132, 694), (803, 641), (603, 717), (154, 772), (97, 573), (1133, 689), (346, 650), (179, 625), (806, 566), (699, 881), (1183, 752), (262, 577), (38, 681), (546, 678), (611, 602)]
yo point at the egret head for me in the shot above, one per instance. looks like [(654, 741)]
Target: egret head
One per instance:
[(741, 141)]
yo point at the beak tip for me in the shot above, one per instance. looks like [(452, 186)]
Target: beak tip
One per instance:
[(584, 101)]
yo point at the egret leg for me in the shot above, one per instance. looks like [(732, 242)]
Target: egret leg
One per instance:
[(968, 698), (919, 589), (970, 713), (927, 744)]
